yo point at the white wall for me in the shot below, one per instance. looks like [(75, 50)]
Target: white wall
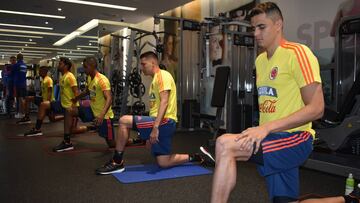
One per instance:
[(309, 22)]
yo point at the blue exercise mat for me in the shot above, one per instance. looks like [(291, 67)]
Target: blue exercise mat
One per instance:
[(151, 172)]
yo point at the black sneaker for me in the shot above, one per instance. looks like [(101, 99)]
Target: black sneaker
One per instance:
[(92, 128), (24, 120), (110, 167), (356, 192), (208, 159), (136, 142), (33, 132), (63, 146)]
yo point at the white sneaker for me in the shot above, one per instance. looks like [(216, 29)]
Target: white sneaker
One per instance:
[(19, 115)]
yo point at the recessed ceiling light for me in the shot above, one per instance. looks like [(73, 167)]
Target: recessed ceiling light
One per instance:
[(19, 42), (24, 36), (91, 47), (47, 48), (78, 48), (25, 53), (90, 44), (76, 54), (26, 45), (44, 33), (32, 14), (46, 22), (100, 4), (22, 49), (59, 9), (86, 27), (30, 40), (26, 26)]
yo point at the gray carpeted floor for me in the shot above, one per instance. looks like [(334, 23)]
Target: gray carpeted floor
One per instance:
[(31, 173)]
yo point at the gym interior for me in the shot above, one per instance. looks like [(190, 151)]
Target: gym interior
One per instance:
[(209, 49)]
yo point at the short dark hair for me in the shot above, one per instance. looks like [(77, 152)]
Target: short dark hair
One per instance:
[(92, 60), (66, 61), (149, 54), (12, 57), (269, 8), (44, 68), (19, 57)]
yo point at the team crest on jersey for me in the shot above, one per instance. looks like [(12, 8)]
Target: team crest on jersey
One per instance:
[(273, 73)]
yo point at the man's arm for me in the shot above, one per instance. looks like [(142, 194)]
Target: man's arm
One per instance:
[(82, 94), (312, 96), (313, 99), (164, 101), (75, 90), (108, 101), (49, 93)]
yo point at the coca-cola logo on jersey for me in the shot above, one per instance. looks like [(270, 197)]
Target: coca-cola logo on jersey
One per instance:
[(268, 106)]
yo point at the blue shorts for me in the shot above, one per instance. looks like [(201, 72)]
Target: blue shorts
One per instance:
[(145, 124), (279, 160), (38, 100), (56, 107), (21, 91), (105, 130)]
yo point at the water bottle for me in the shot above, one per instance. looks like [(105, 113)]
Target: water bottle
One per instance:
[(349, 187)]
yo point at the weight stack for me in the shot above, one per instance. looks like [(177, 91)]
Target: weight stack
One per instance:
[(190, 114)]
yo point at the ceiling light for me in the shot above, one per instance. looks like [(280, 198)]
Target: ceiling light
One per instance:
[(91, 47), (90, 44), (100, 4), (30, 40), (25, 36), (22, 50), (78, 54), (32, 14), (78, 48), (20, 42), (28, 57), (44, 33), (67, 38), (26, 26), (26, 45), (59, 9), (86, 27), (46, 22), (24, 53), (47, 48)]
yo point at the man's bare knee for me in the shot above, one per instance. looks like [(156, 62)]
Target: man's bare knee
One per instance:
[(225, 146), (125, 121)]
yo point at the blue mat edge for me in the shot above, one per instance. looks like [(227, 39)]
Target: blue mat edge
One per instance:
[(130, 166)]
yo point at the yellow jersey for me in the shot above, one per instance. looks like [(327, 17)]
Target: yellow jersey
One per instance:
[(45, 84), (280, 78), (66, 82), (163, 81), (96, 87)]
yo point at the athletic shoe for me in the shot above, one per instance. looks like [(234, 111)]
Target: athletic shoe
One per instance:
[(63, 146), (19, 115), (92, 128), (33, 132), (136, 142), (110, 167), (208, 159), (356, 193), (24, 120)]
